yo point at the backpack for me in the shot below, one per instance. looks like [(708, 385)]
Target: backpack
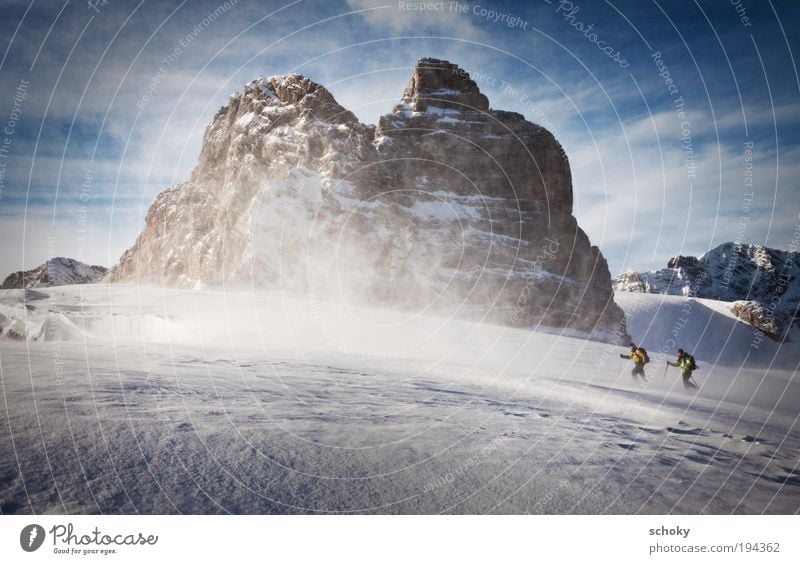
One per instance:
[(692, 363), (645, 358)]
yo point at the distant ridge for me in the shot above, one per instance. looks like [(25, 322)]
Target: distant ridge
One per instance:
[(58, 271), (762, 283)]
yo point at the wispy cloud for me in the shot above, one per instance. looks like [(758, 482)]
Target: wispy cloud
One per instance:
[(419, 18)]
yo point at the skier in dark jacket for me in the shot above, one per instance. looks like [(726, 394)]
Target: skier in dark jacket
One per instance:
[(639, 358), (686, 363)]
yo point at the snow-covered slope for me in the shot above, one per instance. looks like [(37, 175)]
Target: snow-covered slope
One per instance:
[(58, 271), (706, 328), (167, 401)]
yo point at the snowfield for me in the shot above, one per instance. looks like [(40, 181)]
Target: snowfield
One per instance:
[(121, 399)]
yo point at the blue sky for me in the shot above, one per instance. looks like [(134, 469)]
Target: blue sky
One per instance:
[(88, 149)]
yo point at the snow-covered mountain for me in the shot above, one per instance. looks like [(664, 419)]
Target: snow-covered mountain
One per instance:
[(58, 271), (445, 206), (762, 283)]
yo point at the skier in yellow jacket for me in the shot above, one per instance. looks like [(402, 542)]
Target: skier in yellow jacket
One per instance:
[(639, 357)]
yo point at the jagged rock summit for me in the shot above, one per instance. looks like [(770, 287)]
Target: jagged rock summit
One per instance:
[(445, 206), (444, 85), (763, 284), (58, 271)]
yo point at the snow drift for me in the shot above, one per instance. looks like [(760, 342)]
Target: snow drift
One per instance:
[(188, 401)]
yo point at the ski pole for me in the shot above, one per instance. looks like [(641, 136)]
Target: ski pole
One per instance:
[(665, 371)]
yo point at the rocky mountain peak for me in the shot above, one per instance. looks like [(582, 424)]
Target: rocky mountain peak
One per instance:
[(58, 271), (439, 83), (445, 205), (290, 88), (288, 110), (295, 90), (443, 118)]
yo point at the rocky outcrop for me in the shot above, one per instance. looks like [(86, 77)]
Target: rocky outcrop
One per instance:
[(446, 206), (761, 317), (764, 283), (57, 271)]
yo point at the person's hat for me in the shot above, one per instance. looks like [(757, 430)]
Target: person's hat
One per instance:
[(680, 351)]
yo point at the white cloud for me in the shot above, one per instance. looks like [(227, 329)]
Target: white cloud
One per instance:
[(783, 114), (389, 15), (637, 202), (86, 235)]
